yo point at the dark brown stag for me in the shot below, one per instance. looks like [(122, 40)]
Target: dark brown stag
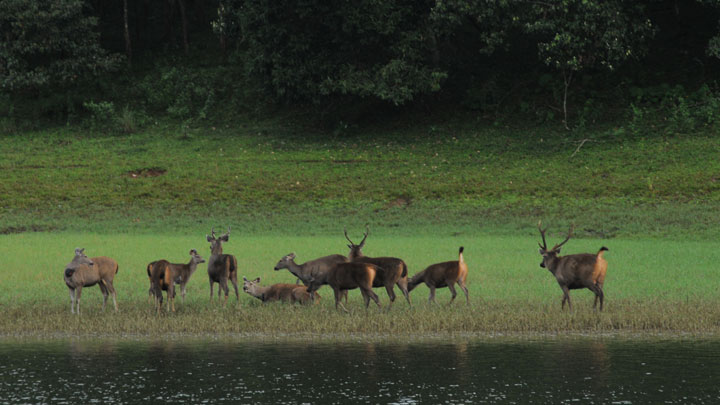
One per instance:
[(348, 276), (221, 267), (445, 274), (583, 270), (391, 270)]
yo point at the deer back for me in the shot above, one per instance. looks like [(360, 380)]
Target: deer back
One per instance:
[(575, 271)]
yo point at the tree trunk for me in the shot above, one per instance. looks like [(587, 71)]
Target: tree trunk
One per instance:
[(567, 78), (128, 46), (184, 25)]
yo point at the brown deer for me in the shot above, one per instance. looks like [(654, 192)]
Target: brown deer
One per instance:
[(86, 272), (583, 270), (444, 274), (164, 275), (348, 276), (291, 293), (391, 270), (221, 267), (313, 268)]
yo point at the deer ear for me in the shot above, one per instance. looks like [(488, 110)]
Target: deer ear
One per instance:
[(557, 251), (542, 251), (245, 278), (349, 246), (209, 238), (291, 255), (257, 280)]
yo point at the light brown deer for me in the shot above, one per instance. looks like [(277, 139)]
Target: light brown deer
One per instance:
[(86, 272), (164, 275), (221, 267), (391, 270), (445, 274), (583, 270), (348, 276), (291, 293), (307, 270)]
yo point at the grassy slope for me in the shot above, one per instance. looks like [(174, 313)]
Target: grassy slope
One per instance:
[(267, 178)]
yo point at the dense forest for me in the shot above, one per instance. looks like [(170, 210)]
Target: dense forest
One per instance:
[(572, 63)]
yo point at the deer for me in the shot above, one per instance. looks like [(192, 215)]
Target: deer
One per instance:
[(391, 270), (291, 293), (164, 275), (583, 270), (221, 267), (445, 274), (311, 268), (86, 272), (348, 276)]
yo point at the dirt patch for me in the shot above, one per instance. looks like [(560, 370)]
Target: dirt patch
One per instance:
[(146, 172), (22, 229), (398, 202)]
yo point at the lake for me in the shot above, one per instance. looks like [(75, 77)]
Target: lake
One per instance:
[(489, 371)]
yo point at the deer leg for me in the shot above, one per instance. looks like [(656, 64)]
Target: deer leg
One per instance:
[(391, 295), (338, 296), (224, 286), (461, 283), (233, 280), (431, 297), (451, 287), (598, 295), (104, 291), (211, 290), (566, 297), (72, 300), (78, 292), (403, 286), (113, 292)]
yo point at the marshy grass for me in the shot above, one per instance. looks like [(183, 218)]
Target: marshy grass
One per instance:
[(652, 287)]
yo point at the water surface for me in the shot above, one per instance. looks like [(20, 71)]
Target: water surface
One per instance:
[(555, 371)]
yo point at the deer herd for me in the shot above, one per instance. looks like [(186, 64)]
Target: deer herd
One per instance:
[(341, 273)]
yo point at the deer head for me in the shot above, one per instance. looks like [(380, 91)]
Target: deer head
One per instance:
[(284, 263), (80, 259), (356, 250), (551, 255), (250, 287), (196, 258), (216, 243)]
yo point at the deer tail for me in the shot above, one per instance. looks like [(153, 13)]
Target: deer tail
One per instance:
[(405, 270), (460, 254), (602, 249)]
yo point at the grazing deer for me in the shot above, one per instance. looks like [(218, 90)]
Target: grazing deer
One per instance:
[(313, 268), (221, 267), (291, 293), (164, 275), (583, 270), (86, 272), (391, 270), (444, 274), (348, 276)]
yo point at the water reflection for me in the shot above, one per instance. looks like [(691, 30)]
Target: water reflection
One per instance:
[(482, 372)]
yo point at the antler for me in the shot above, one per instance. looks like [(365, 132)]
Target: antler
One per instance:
[(542, 233), (226, 233), (348, 238), (212, 232), (572, 227), (367, 232)]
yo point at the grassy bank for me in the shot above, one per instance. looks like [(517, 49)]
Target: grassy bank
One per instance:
[(652, 286)]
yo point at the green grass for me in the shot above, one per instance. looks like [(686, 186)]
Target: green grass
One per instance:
[(268, 178), (652, 287)]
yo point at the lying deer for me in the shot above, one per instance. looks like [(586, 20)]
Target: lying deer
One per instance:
[(348, 276), (86, 272), (444, 274), (164, 275), (304, 272), (221, 267), (291, 293), (391, 270), (583, 270)]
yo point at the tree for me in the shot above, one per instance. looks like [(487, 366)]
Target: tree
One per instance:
[(311, 49), (44, 44), (575, 35)]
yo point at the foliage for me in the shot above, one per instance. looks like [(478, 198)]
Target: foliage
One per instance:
[(309, 49), (48, 44), (673, 109)]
